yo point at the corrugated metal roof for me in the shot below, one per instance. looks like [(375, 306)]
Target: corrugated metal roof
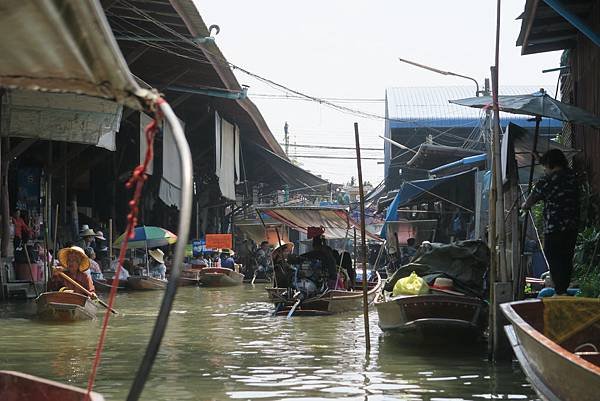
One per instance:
[(429, 106)]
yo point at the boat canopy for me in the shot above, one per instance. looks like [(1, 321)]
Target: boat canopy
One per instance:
[(335, 220)]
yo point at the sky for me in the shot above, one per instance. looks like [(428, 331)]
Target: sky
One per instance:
[(348, 51)]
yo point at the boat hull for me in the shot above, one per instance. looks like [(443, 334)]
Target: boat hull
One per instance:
[(556, 373), (336, 301), (17, 386), (65, 307), (189, 278), (220, 277), (104, 286), (431, 316), (144, 283)]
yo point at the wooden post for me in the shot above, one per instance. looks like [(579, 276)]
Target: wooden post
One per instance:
[(110, 240), (55, 236), (363, 240)]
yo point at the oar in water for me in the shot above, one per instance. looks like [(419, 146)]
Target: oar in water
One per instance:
[(253, 277), (86, 292), (289, 315)]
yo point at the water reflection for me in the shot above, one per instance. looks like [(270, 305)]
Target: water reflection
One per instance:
[(224, 344)]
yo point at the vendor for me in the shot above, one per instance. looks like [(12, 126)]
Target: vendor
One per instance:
[(74, 263), (157, 264), (227, 260), (22, 231), (283, 271), (559, 191)]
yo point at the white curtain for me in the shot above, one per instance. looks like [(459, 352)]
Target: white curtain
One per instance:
[(170, 182), (227, 156)]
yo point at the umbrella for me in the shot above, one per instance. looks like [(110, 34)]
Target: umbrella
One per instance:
[(147, 237), (538, 104)]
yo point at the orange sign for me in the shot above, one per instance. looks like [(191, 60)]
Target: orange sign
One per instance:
[(218, 241)]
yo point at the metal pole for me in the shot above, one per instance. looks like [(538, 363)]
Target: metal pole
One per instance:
[(363, 240), (530, 182), (110, 240)]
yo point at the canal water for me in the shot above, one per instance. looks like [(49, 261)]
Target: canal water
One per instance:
[(223, 344)]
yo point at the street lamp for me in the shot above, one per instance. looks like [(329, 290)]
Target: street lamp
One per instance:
[(477, 91)]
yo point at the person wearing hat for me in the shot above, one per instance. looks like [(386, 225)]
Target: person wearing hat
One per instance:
[(157, 264), (74, 263), (88, 237), (227, 260), (283, 271), (94, 270)]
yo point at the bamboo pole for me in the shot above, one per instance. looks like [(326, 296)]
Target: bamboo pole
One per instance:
[(110, 239), (55, 237), (363, 240)]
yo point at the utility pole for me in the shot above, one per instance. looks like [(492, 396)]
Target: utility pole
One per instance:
[(286, 138)]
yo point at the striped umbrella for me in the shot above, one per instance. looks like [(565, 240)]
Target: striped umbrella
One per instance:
[(147, 237)]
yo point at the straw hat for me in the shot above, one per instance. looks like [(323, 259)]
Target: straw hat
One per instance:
[(157, 255), (443, 283), (63, 257), (282, 246), (228, 251), (88, 232), (100, 235)]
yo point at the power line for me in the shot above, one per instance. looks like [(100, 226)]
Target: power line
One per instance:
[(331, 147)]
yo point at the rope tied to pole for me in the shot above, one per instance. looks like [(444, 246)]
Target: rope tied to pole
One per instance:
[(137, 180)]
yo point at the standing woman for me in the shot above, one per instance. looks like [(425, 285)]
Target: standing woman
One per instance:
[(559, 191), (22, 231)]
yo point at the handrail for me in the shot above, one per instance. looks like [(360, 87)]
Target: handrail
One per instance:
[(185, 159)]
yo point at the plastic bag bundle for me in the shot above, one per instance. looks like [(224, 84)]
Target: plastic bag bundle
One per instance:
[(411, 285)]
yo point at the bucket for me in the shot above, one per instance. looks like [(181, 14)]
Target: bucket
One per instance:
[(22, 272)]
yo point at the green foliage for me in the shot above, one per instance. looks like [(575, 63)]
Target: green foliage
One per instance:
[(586, 261)]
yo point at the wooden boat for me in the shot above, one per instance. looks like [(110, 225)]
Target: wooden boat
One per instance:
[(556, 341), (105, 285), (220, 277), (431, 316), (189, 277), (17, 386), (146, 283), (65, 306), (331, 301)]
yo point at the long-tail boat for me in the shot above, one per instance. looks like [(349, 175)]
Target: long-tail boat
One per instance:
[(327, 302), (65, 306), (220, 277), (556, 341), (16, 386), (146, 283)]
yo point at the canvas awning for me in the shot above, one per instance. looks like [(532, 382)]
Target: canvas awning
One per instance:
[(64, 46), (457, 190), (336, 221)]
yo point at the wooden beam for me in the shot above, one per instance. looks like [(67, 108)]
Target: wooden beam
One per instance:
[(548, 47)]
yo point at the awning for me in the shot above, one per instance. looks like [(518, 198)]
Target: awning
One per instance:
[(457, 190), (336, 221), (430, 156), (63, 46), (296, 177)]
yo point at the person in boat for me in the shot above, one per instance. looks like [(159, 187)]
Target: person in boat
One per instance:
[(322, 260), (227, 260), (74, 263), (88, 238), (157, 264), (559, 191), (263, 258), (95, 271), (199, 262), (348, 267), (283, 271), (408, 251)]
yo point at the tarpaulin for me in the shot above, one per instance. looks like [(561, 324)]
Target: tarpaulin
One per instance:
[(437, 189), (336, 221), (170, 182), (227, 155)]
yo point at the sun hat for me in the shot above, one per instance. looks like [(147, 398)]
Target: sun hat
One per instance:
[(443, 283), (88, 232), (63, 257), (157, 255), (84, 227), (228, 251), (289, 246), (100, 235)]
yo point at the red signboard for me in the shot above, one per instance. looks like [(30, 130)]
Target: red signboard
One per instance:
[(220, 241)]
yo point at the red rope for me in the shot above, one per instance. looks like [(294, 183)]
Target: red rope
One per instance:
[(137, 179)]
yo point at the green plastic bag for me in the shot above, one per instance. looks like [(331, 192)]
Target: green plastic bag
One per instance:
[(411, 285)]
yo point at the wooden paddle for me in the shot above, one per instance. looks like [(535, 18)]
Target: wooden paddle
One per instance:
[(289, 315), (86, 292)]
